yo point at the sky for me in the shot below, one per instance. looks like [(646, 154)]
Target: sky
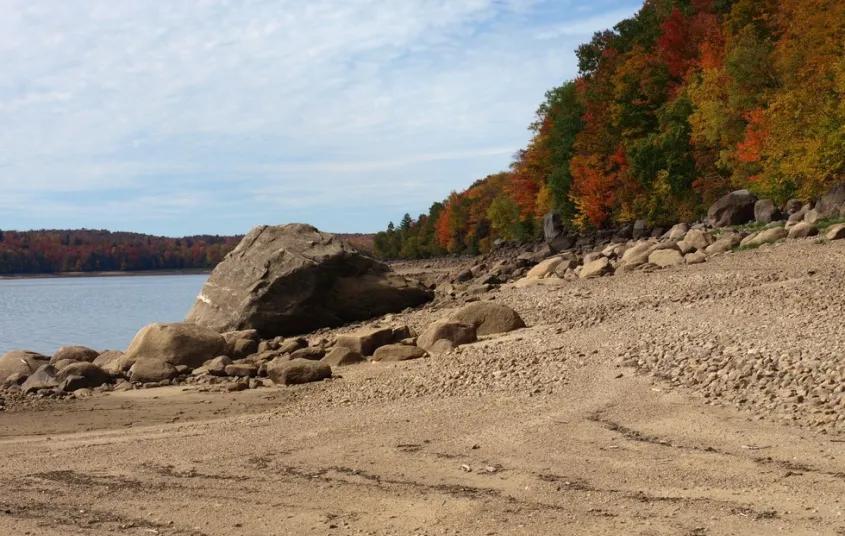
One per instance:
[(185, 117)]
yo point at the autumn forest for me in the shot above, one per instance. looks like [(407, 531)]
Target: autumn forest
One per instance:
[(681, 103)]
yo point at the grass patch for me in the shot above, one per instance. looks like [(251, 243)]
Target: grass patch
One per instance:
[(821, 241), (753, 226), (747, 247), (821, 225)]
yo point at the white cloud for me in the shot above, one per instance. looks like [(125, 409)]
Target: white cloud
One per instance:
[(183, 98)]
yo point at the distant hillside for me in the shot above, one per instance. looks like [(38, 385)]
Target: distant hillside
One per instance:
[(362, 242), (55, 251), (672, 108), (84, 250)]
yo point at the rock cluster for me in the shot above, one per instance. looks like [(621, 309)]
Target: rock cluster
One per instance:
[(635, 247), (188, 354)]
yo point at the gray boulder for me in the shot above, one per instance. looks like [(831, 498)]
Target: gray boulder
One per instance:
[(21, 362), (182, 343), (293, 279), (75, 353), (43, 378), (453, 331), (88, 374), (830, 204), (298, 371), (398, 352), (341, 357), (151, 370), (736, 208), (488, 317), (765, 211)]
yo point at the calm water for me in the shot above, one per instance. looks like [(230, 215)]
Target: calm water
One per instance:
[(101, 312)]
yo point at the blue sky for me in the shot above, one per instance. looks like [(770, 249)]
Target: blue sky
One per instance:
[(213, 116)]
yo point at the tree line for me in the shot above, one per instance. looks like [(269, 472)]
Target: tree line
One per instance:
[(56, 251), (672, 108)]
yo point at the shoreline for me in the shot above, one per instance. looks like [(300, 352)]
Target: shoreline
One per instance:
[(66, 275)]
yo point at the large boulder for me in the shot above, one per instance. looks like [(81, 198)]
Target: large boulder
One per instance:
[(836, 232), (398, 352), (765, 211), (182, 343), (341, 357), (488, 317), (803, 230), (114, 362), (21, 362), (453, 331), (292, 279), (765, 237), (88, 374), (545, 268), (43, 378), (698, 239), (366, 341), (666, 257), (298, 371), (75, 353), (831, 204), (596, 268), (736, 208), (151, 370)]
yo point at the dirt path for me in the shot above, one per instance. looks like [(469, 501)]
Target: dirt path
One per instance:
[(539, 432)]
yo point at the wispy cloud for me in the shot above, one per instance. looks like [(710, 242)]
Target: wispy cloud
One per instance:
[(146, 115)]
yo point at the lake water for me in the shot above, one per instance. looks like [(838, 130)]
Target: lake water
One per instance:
[(100, 312)]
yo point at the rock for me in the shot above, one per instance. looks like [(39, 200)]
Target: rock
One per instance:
[(463, 276), (294, 279), (74, 353), (455, 332), (566, 266), (398, 352), (298, 371), (596, 268), (792, 206), (289, 346), (765, 211), (725, 243), (151, 369), (313, 354), (242, 348), (89, 374), (488, 317), (678, 231), (800, 214), (813, 216), (341, 357), (441, 347), (21, 362), (217, 366), (624, 234), (803, 230), (698, 240), (63, 363), (638, 253), (835, 232), (735, 208), (831, 204), (695, 258), (43, 378), (544, 268), (640, 230), (764, 237), (182, 343), (107, 359), (15, 379), (366, 341), (241, 370), (592, 257), (666, 257)]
